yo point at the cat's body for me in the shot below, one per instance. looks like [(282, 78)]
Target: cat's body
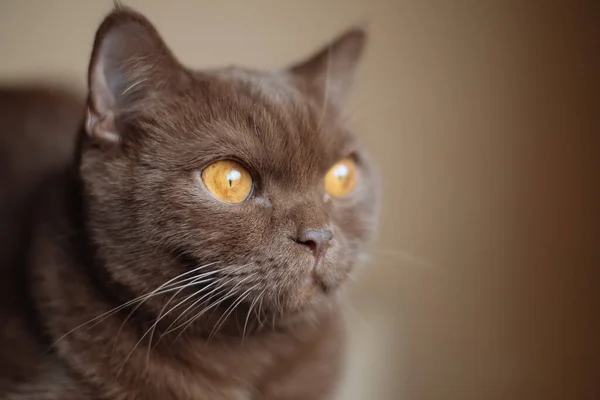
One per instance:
[(37, 136), (131, 217), (301, 361)]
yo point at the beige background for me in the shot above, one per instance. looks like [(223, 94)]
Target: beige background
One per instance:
[(484, 119)]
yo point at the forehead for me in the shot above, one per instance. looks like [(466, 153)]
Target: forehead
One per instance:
[(261, 119)]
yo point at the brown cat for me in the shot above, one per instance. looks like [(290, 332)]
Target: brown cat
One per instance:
[(195, 247)]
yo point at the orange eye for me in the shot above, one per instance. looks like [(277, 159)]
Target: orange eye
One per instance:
[(228, 181), (341, 178)]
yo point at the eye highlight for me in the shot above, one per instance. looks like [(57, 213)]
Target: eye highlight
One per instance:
[(228, 181), (341, 178)]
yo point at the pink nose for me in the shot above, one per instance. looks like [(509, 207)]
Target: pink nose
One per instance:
[(315, 239)]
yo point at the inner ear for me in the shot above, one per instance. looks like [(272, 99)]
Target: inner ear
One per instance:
[(328, 74), (130, 66)]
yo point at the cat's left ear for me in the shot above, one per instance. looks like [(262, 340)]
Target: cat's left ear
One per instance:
[(329, 73)]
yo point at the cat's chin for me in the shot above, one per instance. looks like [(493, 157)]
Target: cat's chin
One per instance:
[(289, 315), (308, 311), (311, 296)]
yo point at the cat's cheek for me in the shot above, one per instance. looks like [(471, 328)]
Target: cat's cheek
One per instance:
[(358, 221)]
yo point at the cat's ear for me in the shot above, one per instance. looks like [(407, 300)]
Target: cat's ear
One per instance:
[(329, 73), (130, 66)]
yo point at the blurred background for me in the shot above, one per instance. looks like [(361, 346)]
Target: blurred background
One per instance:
[(484, 117)]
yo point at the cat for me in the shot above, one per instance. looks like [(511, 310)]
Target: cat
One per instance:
[(195, 245)]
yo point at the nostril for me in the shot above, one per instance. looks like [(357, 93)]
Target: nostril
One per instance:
[(311, 244), (315, 240)]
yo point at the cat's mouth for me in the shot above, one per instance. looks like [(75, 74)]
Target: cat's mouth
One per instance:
[(288, 287)]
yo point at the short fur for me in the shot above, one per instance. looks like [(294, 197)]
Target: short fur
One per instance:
[(132, 214)]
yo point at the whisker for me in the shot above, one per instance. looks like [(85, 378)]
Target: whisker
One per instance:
[(161, 316), (230, 309), (249, 311), (200, 299), (202, 279), (259, 314), (212, 306), (168, 330), (231, 292), (110, 312), (174, 281), (198, 304)]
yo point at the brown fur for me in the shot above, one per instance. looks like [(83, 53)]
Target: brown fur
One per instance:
[(133, 214)]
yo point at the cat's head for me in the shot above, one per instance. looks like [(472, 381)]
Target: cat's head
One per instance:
[(248, 185)]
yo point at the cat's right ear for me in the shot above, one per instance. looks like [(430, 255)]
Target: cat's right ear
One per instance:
[(328, 74), (130, 66)]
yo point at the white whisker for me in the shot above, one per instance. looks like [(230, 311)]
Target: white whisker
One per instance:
[(230, 309), (235, 269), (160, 317), (110, 312), (212, 306), (250, 311), (173, 281), (259, 314)]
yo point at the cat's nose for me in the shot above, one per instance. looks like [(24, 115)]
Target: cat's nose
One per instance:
[(316, 240)]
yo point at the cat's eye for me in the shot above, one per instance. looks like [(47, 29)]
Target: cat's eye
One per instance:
[(228, 181), (341, 178)]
